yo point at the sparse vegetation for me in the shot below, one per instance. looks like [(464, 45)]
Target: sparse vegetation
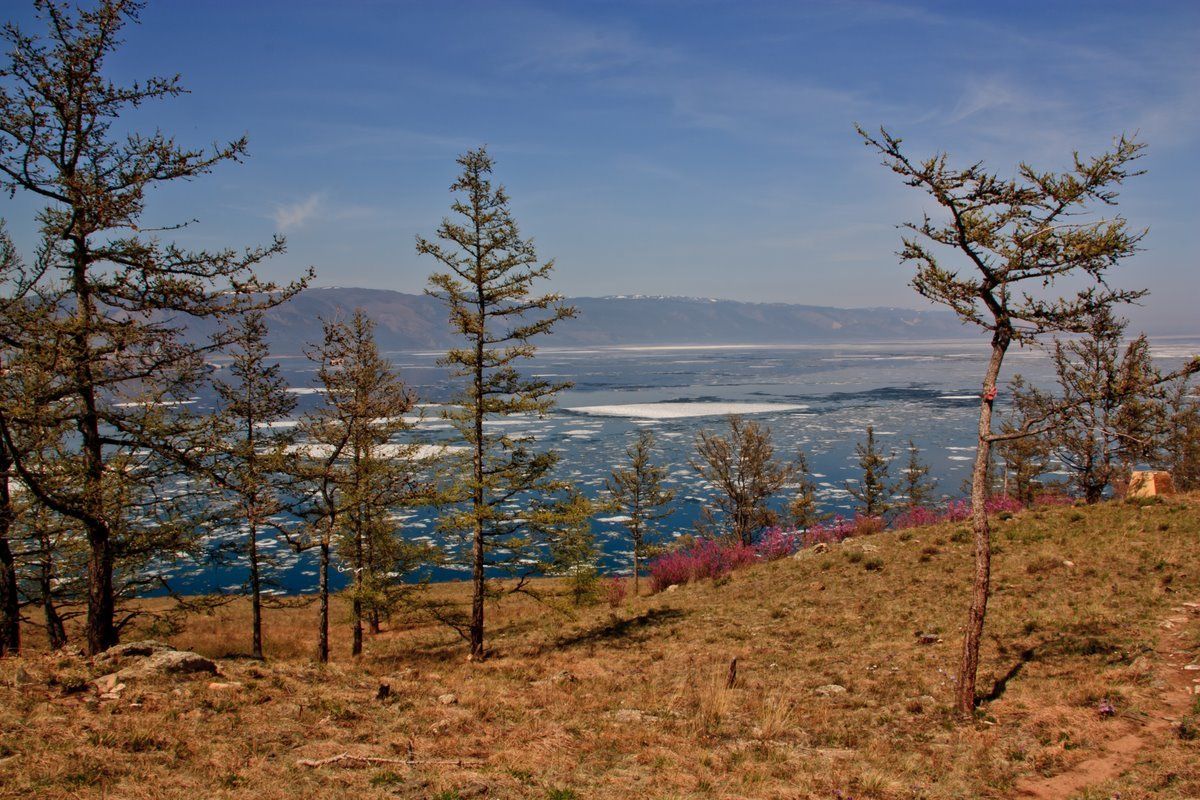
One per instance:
[(557, 708)]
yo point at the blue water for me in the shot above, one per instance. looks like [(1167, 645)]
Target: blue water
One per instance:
[(926, 392)]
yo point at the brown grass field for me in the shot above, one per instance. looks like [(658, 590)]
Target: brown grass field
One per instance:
[(1089, 605)]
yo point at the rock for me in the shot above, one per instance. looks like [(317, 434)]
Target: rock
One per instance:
[(448, 699), (473, 790), (20, 676), (140, 649), (830, 689), (628, 715), (868, 548), (674, 587), (928, 638), (226, 686), (169, 662), (1068, 563), (1150, 483), (106, 683)]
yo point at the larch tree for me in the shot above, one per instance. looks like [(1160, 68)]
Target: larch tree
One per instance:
[(803, 510), (487, 279), (352, 476), (995, 255), (251, 437), (916, 484), (1025, 458), (1181, 446), (745, 473), (874, 490), (638, 492), (117, 297)]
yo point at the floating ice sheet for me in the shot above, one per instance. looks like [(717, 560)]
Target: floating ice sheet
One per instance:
[(683, 410)]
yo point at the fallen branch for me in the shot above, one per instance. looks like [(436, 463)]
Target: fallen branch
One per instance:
[(340, 757)]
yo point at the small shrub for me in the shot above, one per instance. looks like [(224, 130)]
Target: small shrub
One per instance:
[(854, 556), (561, 794), (614, 592), (873, 564)]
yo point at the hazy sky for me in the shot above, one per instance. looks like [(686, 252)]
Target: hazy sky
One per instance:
[(692, 148)]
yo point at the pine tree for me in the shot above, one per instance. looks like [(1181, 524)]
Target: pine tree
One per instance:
[(638, 493), (487, 284), (744, 471), (1015, 238), (803, 511), (873, 490), (918, 487), (250, 448), (354, 476), (114, 300)]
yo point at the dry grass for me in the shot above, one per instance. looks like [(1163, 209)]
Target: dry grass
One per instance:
[(632, 702)]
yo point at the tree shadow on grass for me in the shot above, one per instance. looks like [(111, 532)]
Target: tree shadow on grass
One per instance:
[(628, 629), (1084, 645)]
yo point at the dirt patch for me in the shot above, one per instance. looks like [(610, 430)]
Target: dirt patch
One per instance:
[(1119, 754)]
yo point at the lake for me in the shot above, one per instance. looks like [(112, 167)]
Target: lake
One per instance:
[(818, 398)]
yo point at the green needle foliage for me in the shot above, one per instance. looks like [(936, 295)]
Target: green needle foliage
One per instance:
[(638, 492), (744, 471), (803, 511), (873, 490), (112, 299), (250, 449), (354, 477), (916, 484), (487, 284)]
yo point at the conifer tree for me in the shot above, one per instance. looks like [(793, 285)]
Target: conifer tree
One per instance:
[(487, 283), (354, 476), (1180, 451), (918, 487), (250, 447), (1014, 240), (803, 511), (638, 493), (873, 490), (1109, 407), (1026, 458), (114, 299), (744, 471)]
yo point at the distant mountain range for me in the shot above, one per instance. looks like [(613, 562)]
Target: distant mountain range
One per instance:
[(416, 322)]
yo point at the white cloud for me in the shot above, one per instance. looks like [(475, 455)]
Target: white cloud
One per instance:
[(292, 216)]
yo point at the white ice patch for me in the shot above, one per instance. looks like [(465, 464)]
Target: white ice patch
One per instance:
[(685, 410), (419, 451)]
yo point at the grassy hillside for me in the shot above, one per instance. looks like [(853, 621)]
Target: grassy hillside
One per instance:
[(632, 702)]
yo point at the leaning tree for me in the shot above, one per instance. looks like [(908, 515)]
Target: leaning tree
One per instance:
[(115, 299), (994, 255)]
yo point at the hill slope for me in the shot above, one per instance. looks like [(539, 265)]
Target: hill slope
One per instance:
[(415, 322), (835, 694)]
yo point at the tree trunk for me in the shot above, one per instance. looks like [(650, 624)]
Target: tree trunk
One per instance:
[(635, 571), (101, 632), (10, 608), (477, 577), (10, 603), (981, 586), (356, 647), (256, 647), (56, 632), (323, 622)]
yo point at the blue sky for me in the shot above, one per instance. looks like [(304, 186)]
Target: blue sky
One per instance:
[(669, 147)]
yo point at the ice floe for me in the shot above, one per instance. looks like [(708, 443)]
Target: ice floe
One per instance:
[(683, 410)]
